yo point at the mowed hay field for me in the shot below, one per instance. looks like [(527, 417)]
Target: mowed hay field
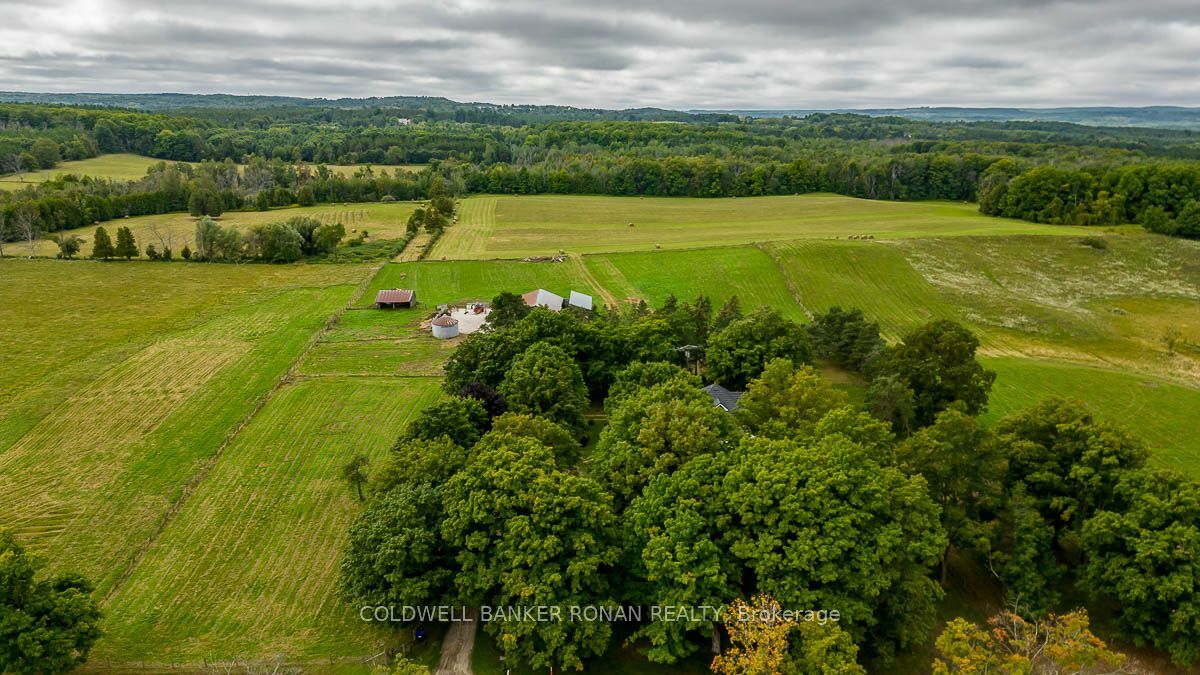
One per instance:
[(98, 450), (382, 220), (249, 567), (545, 224), (121, 167), (126, 166), (1160, 413)]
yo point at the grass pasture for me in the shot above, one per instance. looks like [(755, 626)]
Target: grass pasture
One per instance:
[(127, 166), (438, 283), (382, 220), (249, 567), (120, 166), (93, 463), (545, 224), (1159, 412), (744, 271)]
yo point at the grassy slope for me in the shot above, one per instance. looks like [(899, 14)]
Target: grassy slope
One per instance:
[(545, 224), (90, 480), (249, 567), (1160, 413), (746, 272), (381, 220), (121, 166), (126, 166)]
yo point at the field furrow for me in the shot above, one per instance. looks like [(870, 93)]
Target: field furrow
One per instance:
[(237, 572)]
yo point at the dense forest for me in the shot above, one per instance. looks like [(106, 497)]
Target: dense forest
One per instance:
[(257, 157)]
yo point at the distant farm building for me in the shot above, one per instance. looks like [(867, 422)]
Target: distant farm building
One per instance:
[(555, 302), (580, 300), (395, 298), (543, 298), (444, 327), (723, 398)]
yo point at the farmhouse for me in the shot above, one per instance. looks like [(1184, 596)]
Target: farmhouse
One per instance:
[(444, 327), (723, 398), (543, 298), (395, 297)]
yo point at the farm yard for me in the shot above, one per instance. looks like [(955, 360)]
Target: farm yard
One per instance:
[(177, 436)]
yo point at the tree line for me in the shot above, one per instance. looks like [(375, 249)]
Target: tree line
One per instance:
[(501, 494)]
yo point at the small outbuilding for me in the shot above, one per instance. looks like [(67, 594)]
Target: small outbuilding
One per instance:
[(580, 300), (444, 327), (723, 398), (395, 298), (543, 298)]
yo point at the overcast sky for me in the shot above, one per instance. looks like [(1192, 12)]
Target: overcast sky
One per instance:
[(618, 53)]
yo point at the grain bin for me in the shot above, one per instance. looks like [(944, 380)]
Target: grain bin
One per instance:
[(444, 327)]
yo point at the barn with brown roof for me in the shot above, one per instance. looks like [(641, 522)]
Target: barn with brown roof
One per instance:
[(395, 298)]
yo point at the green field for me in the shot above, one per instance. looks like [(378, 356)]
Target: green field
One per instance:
[(175, 431), (249, 567), (1160, 413), (381, 221), (114, 167), (125, 166), (544, 225)]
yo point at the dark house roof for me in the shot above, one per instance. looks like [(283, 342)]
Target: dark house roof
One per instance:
[(723, 398), (394, 295)]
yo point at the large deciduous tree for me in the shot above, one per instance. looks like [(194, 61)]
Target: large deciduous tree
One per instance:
[(47, 625), (546, 381), (786, 401), (937, 362), (655, 432), (395, 555), (1143, 555), (739, 353), (528, 533)]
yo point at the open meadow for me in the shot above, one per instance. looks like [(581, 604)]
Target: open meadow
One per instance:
[(175, 431), (125, 166), (380, 220), (120, 166), (514, 227)]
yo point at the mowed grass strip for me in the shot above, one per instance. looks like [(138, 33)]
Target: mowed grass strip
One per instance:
[(546, 224), (249, 567), (469, 236), (744, 271), (381, 220), (1159, 412)]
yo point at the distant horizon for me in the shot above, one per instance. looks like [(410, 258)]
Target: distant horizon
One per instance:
[(613, 107)]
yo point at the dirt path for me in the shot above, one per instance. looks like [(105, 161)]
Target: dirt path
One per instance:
[(586, 274), (457, 646)]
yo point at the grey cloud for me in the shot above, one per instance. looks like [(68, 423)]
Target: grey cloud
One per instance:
[(618, 53)]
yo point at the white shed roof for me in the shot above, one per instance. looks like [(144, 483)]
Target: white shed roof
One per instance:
[(580, 300), (543, 298)]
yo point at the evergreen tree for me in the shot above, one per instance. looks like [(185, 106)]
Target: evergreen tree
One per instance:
[(126, 244), (102, 246)]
